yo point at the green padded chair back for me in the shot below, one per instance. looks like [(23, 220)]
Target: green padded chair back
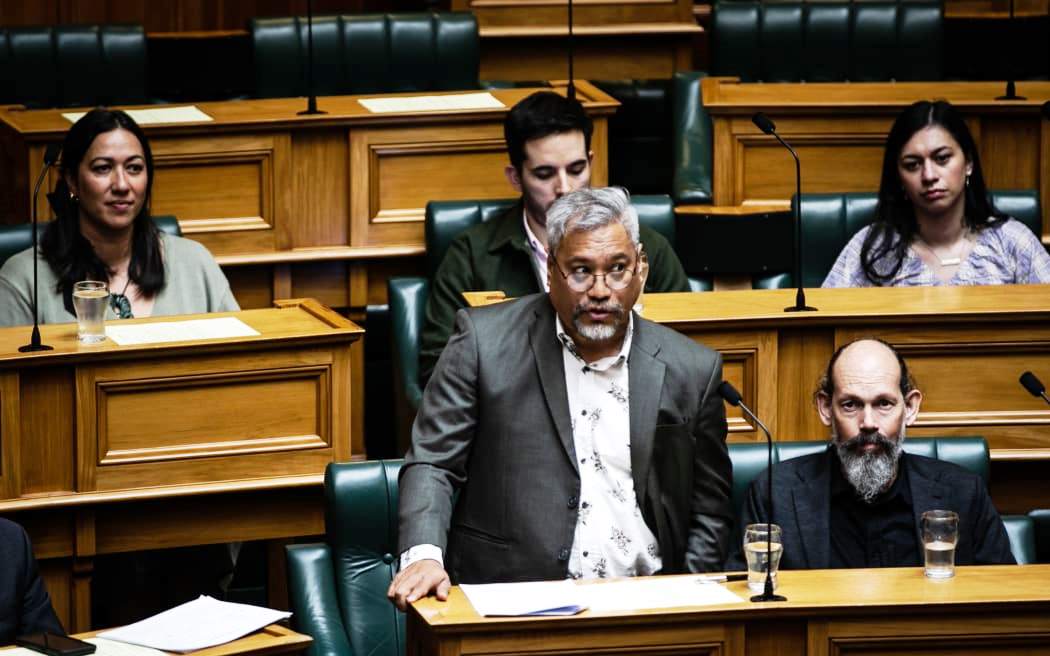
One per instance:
[(73, 65), (366, 53), (408, 302), (829, 221), (337, 590), (18, 237), (692, 141), (1021, 531), (874, 40), (445, 219), (1041, 525)]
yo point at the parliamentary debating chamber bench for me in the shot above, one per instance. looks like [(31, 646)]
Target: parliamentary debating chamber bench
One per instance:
[(107, 448), (1000, 609), (966, 347)]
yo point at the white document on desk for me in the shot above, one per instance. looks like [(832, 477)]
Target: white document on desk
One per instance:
[(178, 331), (204, 622), (482, 100), (180, 114), (105, 647), (517, 599), (648, 593)]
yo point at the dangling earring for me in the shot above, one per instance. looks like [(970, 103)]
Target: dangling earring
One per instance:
[(967, 179), (73, 198)]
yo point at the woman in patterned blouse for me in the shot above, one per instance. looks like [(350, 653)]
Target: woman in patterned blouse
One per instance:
[(934, 223)]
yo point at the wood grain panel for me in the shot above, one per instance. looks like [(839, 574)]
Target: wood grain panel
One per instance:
[(325, 281), (585, 12), (595, 57), (58, 581), (321, 208), (803, 356), (10, 435), (1008, 158), (46, 416), (768, 171)]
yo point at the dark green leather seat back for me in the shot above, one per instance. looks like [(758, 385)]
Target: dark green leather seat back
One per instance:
[(1021, 531), (73, 66), (446, 219), (408, 303), (692, 182), (337, 589), (18, 237), (829, 221), (874, 40), (366, 53)]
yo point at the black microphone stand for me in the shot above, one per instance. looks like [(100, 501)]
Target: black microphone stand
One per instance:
[(732, 397), (311, 101), (50, 155), (1011, 91), (570, 91)]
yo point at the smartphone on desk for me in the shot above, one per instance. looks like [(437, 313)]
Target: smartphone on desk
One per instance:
[(55, 645)]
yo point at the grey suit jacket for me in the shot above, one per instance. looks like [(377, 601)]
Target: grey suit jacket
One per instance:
[(494, 426), (802, 508)]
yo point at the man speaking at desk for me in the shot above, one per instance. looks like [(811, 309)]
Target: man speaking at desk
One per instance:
[(583, 440), (858, 504)]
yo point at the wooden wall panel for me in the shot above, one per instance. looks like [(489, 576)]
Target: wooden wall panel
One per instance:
[(321, 208), (47, 430)]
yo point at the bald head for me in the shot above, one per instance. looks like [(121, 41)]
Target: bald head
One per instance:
[(870, 357)]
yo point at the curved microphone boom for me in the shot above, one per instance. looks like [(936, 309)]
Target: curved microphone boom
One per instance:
[(50, 157), (763, 123), (732, 397)]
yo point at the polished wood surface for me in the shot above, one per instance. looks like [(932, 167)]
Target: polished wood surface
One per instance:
[(307, 205), (982, 610), (839, 131), (108, 448), (994, 9), (526, 39)]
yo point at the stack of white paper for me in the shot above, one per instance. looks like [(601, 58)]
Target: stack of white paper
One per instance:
[(204, 622), (178, 331), (648, 593), (514, 599), (482, 100), (181, 114)]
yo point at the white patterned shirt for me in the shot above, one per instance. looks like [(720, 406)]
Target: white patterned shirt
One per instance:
[(611, 537)]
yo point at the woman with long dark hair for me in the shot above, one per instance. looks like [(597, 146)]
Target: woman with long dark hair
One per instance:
[(103, 231), (934, 223)]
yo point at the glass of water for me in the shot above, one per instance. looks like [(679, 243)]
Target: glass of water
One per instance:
[(760, 553), (940, 532), (90, 299)]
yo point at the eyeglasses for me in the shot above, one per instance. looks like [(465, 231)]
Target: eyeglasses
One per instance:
[(582, 281)]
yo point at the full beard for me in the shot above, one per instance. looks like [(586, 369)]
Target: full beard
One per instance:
[(599, 332), (870, 473)]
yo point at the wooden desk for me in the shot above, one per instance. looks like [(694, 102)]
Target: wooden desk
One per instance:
[(983, 610), (966, 347), (839, 131), (107, 449), (527, 39), (268, 641), (304, 206)]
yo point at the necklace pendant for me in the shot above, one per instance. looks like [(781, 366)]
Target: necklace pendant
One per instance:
[(951, 261)]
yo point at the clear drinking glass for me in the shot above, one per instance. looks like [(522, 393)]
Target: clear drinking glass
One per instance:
[(940, 533), (90, 299), (758, 551)]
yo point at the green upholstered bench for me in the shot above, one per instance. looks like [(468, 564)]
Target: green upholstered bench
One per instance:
[(829, 221), (337, 589), (749, 460), (18, 237), (73, 65), (366, 53)]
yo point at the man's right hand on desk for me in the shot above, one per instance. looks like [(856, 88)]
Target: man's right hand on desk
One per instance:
[(419, 579)]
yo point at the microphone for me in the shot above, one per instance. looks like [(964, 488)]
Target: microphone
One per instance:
[(763, 123), (1011, 91), (1034, 385), (311, 101), (50, 157), (732, 397)]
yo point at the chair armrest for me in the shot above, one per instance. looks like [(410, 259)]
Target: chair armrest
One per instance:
[(314, 601), (1021, 531)]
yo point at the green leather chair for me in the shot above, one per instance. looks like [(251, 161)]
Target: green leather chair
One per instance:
[(73, 65), (337, 589), (18, 237), (366, 53), (750, 459), (873, 40), (829, 221)]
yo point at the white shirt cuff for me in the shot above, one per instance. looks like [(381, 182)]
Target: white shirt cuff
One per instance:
[(421, 552)]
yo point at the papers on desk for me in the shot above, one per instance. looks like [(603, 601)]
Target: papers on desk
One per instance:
[(178, 331), (569, 597), (181, 114), (204, 622), (482, 100), (105, 647)]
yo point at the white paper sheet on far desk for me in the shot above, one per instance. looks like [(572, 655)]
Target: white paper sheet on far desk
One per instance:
[(178, 331), (180, 114), (534, 598), (648, 593), (204, 622), (482, 100)]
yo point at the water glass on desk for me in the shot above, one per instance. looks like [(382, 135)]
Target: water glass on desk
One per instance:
[(759, 552), (90, 299), (940, 533)]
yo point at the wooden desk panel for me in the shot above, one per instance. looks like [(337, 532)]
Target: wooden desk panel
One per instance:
[(106, 448), (983, 610), (839, 131)]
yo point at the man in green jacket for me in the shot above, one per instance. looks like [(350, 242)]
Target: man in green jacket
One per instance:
[(548, 141)]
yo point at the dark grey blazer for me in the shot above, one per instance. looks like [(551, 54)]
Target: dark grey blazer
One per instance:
[(802, 508), (494, 425), (25, 606)]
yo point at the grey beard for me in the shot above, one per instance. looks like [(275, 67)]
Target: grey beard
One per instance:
[(870, 473), (600, 332)]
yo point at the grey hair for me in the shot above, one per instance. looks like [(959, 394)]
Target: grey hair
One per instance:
[(590, 209)]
